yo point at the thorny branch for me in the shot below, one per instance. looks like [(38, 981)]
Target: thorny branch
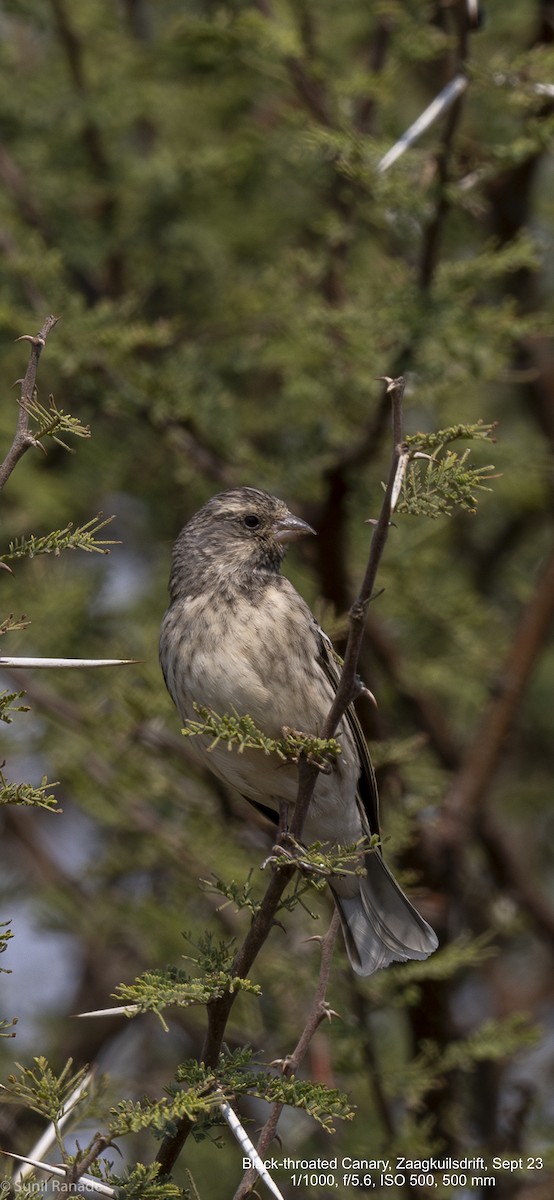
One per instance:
[(349, 687), (319, 1011), (23, 439)]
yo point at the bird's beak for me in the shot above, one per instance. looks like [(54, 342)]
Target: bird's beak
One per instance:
[(289, 528)]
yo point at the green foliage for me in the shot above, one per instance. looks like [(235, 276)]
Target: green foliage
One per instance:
[(241, 732), (404, 986), (44, 1092), (154, 991), (200, 1091), (38, 796), (434, 441), (5, 936), (240, 895), (437, 480), (318, 862), (324, 1104), (493, 1041), (7, 706), (7, 1028), (161, 1116), (314, 863), (85, 537), (10, 625), (443, 485), (52, 421), (141, 1182), (199, 194)]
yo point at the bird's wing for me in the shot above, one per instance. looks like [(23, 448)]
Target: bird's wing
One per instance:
[(368, 795), (379, 924)]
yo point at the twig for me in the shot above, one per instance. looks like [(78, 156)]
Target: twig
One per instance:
[(23, 439), (431, 240), (318, 1013), (366, 105), (219, 1010), (348, 687), (77, 1172)]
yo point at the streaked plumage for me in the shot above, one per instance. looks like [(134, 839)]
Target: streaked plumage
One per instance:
[(238, 636)]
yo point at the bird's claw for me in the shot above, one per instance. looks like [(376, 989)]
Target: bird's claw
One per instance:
[(285, 1064)]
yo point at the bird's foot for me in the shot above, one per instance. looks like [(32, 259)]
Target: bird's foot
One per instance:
[(289, 852)]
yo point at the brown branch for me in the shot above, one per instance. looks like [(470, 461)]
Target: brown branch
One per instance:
[(23, 439), (503, 858), (348, 687), (24, 202), (429, 714), (483, 755), (507, 862), (309, 90), (195, 449), (74, 1173), (139, 20), (319, 1012), (431, 242), (219, 1010), (93, 142), (366, 105), (361, 1005), (16, 186), (11, 254), (73, 51)]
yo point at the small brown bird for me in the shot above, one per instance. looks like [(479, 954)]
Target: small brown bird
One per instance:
[(237, 636)]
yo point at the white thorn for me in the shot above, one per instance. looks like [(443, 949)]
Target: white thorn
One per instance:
[(127, 1010), (399, 478), (434, 110), (249, 1148), (66, 662), (85, 1181)]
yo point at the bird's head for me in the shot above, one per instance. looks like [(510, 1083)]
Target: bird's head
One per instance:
[(237, 535)]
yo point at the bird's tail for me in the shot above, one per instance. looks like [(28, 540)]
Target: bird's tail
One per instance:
[(379, 924)]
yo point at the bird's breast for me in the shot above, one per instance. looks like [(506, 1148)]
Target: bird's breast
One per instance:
[(264, 660), (260, 659)]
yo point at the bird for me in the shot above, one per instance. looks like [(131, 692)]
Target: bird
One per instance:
[(238, 638)]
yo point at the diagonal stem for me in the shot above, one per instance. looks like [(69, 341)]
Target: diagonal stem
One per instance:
[(318, 1013), (23, 439)]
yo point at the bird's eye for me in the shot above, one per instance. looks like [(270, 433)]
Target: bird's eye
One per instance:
[(252, 521)]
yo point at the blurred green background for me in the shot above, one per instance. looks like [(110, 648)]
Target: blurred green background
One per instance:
[(194, 189)]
